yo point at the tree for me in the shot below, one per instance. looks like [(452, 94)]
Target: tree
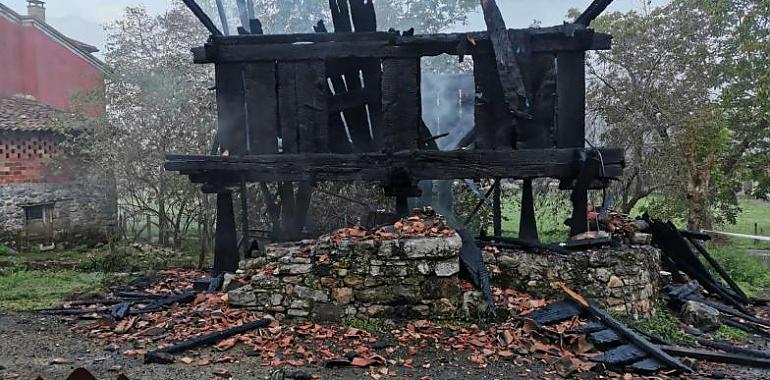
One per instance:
[(299, 16), (745, 92), (654, 95)]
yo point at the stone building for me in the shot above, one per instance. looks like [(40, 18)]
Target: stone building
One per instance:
[(46, 196)]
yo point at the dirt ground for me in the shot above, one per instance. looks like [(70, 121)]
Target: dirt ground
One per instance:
[(33, 346)]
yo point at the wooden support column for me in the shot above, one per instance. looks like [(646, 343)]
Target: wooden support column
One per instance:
[(497, 210), (527, 221), (570, 132), (245, 239), (226, 239)]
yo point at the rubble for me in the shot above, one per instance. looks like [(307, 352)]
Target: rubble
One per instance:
[(701, 316)]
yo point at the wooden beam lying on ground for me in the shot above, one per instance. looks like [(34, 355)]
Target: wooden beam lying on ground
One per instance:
[(158, 356), (718, 357), (535, 163), (634, 338)]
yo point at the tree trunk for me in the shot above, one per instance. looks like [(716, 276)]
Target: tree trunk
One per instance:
[(698, 216)]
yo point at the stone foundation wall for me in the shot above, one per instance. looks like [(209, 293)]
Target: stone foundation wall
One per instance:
[(84, 208), (624, 280), (329, 281)]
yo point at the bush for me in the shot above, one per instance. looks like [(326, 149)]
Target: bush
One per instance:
[(3, 249)]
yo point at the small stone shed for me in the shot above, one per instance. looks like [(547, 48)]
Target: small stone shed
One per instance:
[(46, 196)]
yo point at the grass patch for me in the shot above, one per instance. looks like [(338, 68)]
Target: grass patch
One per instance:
[(371, 326), (751, 273), (30, 290), (731, 334), (665, 326), (551, 210)]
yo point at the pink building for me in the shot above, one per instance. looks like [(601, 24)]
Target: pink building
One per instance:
[(41, 70)]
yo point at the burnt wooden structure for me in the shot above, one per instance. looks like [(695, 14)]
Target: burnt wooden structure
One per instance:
[(346, 106)]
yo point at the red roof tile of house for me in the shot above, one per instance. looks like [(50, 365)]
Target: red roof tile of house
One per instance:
[(19, 113)]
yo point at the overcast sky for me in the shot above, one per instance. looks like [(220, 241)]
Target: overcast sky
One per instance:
[(84, 19)]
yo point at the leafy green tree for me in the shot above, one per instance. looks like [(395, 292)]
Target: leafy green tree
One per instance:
[(745, 92), (654, 95)]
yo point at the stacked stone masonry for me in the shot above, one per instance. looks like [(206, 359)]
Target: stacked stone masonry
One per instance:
[(420, 278), (624, 279), (330, 281)]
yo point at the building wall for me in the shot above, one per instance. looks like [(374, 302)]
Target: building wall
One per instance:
[(28, 157), (83, 196), (34, 62)]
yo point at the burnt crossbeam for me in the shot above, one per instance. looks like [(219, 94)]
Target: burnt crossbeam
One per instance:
[(528, 163), (251, 48)]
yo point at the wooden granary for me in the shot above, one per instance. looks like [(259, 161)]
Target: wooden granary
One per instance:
[(346, 106)]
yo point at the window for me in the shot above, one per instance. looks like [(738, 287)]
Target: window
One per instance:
[(38, 213)]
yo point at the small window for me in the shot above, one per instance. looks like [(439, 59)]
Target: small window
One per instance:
[(38, 213)]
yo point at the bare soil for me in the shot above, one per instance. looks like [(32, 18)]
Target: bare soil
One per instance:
[(31, 345), (34, 346)]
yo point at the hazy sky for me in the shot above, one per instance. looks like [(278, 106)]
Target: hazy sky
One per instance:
[(84, 19)]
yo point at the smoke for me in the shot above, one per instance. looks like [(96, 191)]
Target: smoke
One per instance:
[(448, 105)]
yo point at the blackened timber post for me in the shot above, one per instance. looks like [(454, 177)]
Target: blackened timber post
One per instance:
[(245, 239), (497, 211), (527, 221), (570, 114), (226, 239)]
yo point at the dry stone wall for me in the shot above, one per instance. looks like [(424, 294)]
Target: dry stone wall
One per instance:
[(328, 280), (624, 280)]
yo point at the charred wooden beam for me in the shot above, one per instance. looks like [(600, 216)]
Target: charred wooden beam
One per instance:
[(718, 357), (203, 340), (203, 17), (505, 57), (637, 340), (225, 241), (527, 219), (385, 45), (419, 164), (592, 12)]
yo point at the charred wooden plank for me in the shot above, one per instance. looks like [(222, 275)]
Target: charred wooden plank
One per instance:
[(604, 337), (639, 343), (571, 99), (312, 114), (260, 107), (202, 17), (587, 328), (386, 45), (401, 104), (376, 166), (287, 106), (507, 66), (230, 111), (698, 244), (494, 124), (207, 339), (621, 355), (555, 312), (718, 357), (225, 241), (648, 366), (592, 12), (527, 220), (733, 349), (591, 170)]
